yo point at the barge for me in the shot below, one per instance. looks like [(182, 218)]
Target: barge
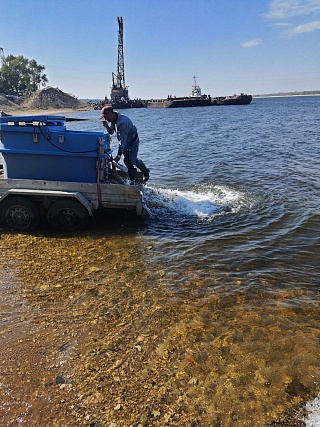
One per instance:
[(205, 101), (198, 100)]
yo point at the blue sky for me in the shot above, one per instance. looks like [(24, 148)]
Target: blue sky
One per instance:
[(231, 46)]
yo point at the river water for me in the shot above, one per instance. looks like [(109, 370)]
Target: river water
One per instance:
[(206, 312)]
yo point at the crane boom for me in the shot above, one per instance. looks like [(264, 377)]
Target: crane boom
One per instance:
[(121, 81)]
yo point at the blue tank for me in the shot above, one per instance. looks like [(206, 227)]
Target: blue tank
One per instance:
[(41, 148)]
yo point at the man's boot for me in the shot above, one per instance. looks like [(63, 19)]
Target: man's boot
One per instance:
[(144, 170), (132, 173)]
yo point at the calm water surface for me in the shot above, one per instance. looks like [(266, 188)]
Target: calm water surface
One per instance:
[(220, 282)]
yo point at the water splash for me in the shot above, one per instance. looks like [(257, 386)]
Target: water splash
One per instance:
[(200, 203), (313, 418)]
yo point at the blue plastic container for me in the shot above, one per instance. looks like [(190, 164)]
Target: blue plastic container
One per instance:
[(41, 148)]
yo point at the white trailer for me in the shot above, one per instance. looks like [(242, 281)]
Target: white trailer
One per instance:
[(68, 206)]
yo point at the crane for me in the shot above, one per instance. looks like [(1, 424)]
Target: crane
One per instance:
[(119, 90)]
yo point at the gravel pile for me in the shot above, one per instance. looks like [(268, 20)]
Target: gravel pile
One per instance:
[(6, 105), (52, 98), (48, 98)]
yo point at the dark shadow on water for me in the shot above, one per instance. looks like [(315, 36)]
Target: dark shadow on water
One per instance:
[(106, 222)]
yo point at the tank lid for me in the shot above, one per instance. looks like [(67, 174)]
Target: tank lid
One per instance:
[(46, 120)]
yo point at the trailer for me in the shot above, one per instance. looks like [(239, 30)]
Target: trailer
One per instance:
[(63, 176)]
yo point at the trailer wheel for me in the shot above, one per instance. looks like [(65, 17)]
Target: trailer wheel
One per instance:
[(19, 213), (68, 215)]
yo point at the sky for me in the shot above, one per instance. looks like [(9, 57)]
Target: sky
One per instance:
[(231, 46)]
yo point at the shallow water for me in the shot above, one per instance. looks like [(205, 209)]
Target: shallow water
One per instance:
[(205, 313)]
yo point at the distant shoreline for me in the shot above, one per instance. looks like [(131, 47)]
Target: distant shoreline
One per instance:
[(285, 95), (71, 111)]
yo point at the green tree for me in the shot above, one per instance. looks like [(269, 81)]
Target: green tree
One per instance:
[(18, 74), (36, 75)]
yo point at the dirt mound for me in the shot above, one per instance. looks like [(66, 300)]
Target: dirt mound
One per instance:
[(6, 104), (51, 98)]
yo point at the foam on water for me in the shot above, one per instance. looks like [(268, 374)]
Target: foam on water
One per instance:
[(204, 204), (313, 418)]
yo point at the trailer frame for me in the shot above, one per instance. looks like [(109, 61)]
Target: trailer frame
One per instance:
[(45, 196)]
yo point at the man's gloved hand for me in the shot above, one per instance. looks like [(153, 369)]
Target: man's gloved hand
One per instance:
[(117, 158)]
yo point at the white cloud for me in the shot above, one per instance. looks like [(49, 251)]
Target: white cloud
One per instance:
[(252, 43), (281, 24), (282, 9), (306, 28)]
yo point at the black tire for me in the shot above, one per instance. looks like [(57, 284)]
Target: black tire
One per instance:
[(19, 213), (68, 215)]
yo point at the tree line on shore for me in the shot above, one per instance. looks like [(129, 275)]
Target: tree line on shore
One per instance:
[(21, 76)]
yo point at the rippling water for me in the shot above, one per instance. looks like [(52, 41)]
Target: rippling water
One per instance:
[(221, 278), (243, 179)]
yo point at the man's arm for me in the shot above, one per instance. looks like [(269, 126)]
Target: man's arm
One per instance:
[(123, 130)]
